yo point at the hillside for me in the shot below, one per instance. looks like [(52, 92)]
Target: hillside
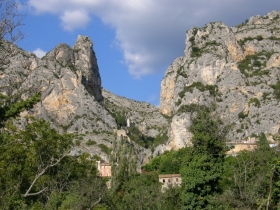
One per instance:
[(73, 101), (237, 68)]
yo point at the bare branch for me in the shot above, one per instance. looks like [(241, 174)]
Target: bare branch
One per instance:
[(37, 193), (10, 33), (97, 202), (270, 187), (40, 174)]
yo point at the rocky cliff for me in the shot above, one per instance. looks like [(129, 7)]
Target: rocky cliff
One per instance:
[(70, 86), (72, 99), (238, 68)]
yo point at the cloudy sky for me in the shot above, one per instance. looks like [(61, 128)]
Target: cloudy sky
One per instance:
[(134, 40)]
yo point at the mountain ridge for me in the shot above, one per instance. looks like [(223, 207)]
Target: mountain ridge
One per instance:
[(237, 68)]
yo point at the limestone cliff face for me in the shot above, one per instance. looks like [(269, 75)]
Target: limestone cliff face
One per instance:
[(70, 86), (85, 61), (237, 68), (72, 99), (168, 88), (81, 59)]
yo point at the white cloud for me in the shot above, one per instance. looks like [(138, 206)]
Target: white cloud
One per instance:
[(39, 52), (74, 19), (151, 33)]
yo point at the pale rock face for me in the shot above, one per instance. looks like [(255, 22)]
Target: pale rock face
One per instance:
[(30, 64), (212, 59), (71, 98), (70, 86), (274, 61), (86, 62), (168, 88), (63, 54), (249, 50), (210, 72), (179, 134), (235, 51)]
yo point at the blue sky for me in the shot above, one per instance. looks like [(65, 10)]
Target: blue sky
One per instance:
[(134, 40)]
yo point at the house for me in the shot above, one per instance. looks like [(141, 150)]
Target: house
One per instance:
[(104, 169), (170, 180)]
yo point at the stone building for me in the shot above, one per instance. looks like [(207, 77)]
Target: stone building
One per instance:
[(170, 180), (104, 169)]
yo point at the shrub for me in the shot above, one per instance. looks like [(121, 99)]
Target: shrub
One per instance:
[(119, 117), (196, 51), (259, 37), (105, 149), (138, 137), (77, 142), (276, 88), (241, 115), (188, 108), (198, 85), (265, 95), (246, 66), (255, 102), (239, 130), (90, 142)]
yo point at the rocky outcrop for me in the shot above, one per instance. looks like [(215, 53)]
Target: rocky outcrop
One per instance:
[(82, 61), (86, 62), (72, 99), (70, 86), (237, 68)]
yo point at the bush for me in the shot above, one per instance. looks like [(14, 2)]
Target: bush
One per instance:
[(105, 149), (259, 37), (77, 142), (241, 115), (196, 51), (201, 87), (188, 108), (120, 118), (135, 135), (160, 139), (276, 88), (90, 142), (247, 65), (255, 102), (243, 41)]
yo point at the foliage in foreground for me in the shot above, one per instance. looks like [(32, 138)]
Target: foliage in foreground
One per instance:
[(40, 174)]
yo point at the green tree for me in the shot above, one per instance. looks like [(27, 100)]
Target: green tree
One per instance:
[(123, 161), (169, 162), (204, 166), (250, 179), (40, 172), (143, 191), (29, 157)]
